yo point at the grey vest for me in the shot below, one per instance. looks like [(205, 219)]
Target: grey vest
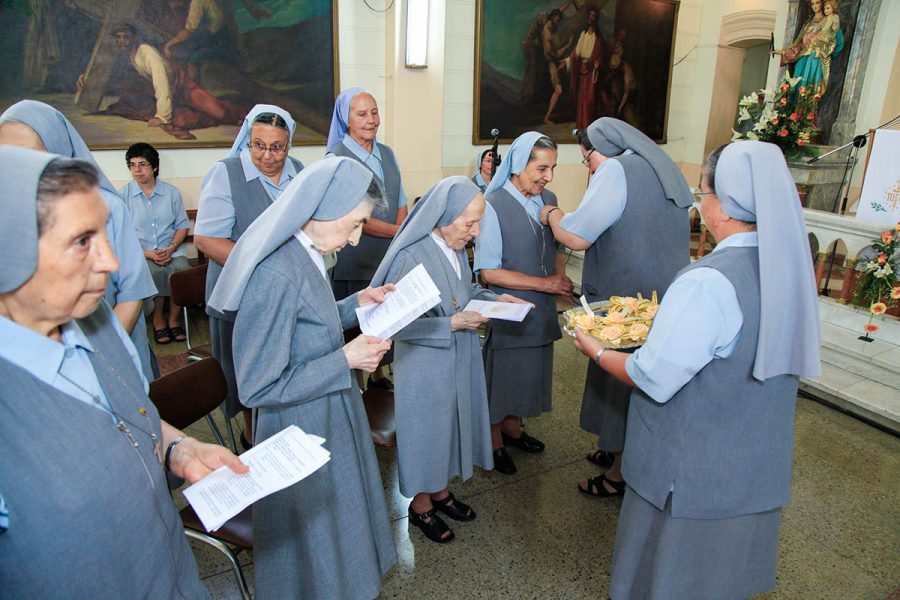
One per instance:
[(250, 200), (725, 439), (359, 263), (644, 250), (474, 179), (525, 253), (90, 515)]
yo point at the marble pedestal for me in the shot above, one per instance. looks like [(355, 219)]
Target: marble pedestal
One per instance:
[(821, 180)]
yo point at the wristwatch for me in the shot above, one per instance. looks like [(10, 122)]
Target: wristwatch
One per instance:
[(599, 354)]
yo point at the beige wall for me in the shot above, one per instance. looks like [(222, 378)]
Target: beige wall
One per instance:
[(427, 114)]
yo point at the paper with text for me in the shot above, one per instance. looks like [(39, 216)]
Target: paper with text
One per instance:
[(415, 294), (505, 311), (279, 461)]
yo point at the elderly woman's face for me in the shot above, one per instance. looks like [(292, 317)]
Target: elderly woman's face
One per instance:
[(268, 148), (329, 236), (74, 261), (13, 133), (538, 173), (363, 120), (466, 226)]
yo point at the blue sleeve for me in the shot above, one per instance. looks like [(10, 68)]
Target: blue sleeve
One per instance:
[(215, 213), (602, 205), (489, 243), (181, 220), (700, 319), (132, 281), (129, 344)]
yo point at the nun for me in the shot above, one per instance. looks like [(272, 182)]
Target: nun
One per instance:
[(484, 167), (711, 420), (354, 127), (39, 126), (516, 253), (234, 192), (84, 450), (440, 399), (329, 535), (632, 225)]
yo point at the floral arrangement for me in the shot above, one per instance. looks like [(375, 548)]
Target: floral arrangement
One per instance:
[(878, 287), (784, 118)]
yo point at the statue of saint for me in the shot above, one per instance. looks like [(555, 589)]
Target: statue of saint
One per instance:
[(811, 52)]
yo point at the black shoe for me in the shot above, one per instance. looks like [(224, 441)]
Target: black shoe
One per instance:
[(524, 442), (244, 443), (431, 525), (503, 462), (602, 458), (383, 383), (454, 509)]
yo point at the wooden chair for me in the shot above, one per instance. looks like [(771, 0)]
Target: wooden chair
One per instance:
[(182, 398), (188, 290)]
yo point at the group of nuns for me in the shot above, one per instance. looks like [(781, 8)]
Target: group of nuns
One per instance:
[(83, 501)]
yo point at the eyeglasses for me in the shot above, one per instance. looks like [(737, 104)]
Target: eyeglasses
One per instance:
[(698, 195), (275, 149), (586, 160), (138, 165)]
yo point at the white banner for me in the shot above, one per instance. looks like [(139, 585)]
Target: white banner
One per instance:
[(880, 198)]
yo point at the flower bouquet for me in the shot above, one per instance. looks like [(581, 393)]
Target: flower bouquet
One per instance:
[(878, 287), (774, 117)]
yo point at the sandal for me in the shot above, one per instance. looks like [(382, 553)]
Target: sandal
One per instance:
[(162, 336), (431, 525), (454, 509), (601, 458), (178, 334), (596, 487)]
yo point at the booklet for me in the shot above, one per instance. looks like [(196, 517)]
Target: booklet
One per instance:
[(505, 311), (416, 293), (279, 461)]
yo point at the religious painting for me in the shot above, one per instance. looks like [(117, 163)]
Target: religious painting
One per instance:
[(553, 66), (174, 73), (822, 40)]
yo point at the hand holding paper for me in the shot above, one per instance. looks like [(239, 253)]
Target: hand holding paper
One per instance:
[(275, 463), (505, 311), (414, 294)]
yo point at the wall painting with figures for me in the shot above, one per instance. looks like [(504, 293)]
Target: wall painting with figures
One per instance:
[(555, 65), (99, 62)]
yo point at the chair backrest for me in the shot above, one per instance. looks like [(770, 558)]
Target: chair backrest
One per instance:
[(188, 287), (188, 394)]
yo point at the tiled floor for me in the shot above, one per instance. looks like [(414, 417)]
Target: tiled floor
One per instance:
[(537, 537)]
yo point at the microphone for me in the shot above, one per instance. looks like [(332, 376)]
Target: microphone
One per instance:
[(495, 132)]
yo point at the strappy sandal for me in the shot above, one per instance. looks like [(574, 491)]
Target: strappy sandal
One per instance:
[(601, 458), (162, 336), (431, 525), (453, 508), (597, 489), (177, 334)]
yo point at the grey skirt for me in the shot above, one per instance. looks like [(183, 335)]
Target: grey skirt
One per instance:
[(659, 557), (604, 408), (519, 381), (160, 274)]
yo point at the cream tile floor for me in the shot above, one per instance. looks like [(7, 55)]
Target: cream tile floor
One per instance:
[(537, 537)]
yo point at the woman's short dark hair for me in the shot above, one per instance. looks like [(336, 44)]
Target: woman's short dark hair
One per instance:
[(272, 119), (710, 165), (61, 177), (145, 151), (582, 137), (375, 196), (542, 143)]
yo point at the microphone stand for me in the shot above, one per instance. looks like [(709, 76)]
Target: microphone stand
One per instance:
[(856, 143), (495, 161)]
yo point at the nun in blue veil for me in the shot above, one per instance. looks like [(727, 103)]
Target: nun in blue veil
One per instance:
[(39, 126), (329, 535), (707, 458), (234, 192), (440, 399)]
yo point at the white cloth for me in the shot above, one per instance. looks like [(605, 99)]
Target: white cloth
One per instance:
[(449, 252), (310, 248), (150, 64)]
